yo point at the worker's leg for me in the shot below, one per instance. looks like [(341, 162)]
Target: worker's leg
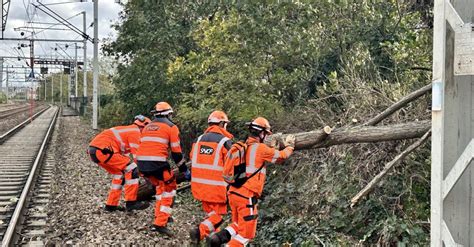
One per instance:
[(166, 191), (131, 182), (246, 219), (213, 219), (113, 166)]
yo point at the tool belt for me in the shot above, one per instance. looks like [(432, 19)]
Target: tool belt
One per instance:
[(105, 151)]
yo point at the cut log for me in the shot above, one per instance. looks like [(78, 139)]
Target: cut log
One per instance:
[(398, 105), (362, 134), (370, 186)]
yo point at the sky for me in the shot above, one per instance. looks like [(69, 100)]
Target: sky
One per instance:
[(22, 12)]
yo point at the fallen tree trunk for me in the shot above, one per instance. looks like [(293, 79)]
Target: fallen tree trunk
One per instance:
[(398, 105), (362, 134), (371, 185)]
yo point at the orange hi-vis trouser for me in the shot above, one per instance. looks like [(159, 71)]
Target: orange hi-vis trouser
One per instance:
[(165, 192), (244, 219), (213, 218), (119, 166)]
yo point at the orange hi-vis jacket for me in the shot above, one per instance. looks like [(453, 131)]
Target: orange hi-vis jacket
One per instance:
[(121, 139), (207, 162), (256, 155), (156, 138)]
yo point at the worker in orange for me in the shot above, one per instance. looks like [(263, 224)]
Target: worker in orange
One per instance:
[(110, 149), (243, 200), (207, 185), (157, 138)]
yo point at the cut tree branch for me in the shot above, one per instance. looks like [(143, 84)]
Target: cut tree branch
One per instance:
[(398, 105), (370, 186), (363, 134)]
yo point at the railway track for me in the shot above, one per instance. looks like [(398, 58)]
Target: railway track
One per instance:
[(20, 162), (13, 111)]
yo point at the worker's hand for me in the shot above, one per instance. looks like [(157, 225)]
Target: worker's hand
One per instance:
[(290, 141)]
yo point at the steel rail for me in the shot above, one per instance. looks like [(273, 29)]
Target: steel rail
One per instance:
[(9, 112), (7, 238), (15, 129)]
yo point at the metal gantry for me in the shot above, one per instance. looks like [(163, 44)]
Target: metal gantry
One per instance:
[(452, 197), (5, 8)]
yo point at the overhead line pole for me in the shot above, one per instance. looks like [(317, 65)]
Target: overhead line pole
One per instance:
[(96, 65), (84, 68)]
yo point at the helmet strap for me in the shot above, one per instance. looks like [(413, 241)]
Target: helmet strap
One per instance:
[(262, 136)]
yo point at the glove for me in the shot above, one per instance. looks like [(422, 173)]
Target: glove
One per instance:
[(290, 141), (187, 175)]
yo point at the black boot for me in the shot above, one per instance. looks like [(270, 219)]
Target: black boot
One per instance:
[(195, 236), (219, 238), (162, 229), (109, 208), (134, 205)]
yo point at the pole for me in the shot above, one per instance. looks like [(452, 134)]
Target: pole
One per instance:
[(7, 87), (437, 119), (1, 73), (61, 87), (96, 65), (75, 70), (69, 86), (45, 80), (52, 88), (84, 68)]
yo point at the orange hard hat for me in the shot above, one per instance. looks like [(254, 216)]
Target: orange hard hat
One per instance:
[(260, 123), (162, 108), (217, 117), (141, 120)]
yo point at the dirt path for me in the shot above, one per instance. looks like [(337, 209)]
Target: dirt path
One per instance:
[(79, 190)]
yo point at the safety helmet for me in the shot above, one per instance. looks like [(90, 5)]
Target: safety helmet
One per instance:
[(260, 124), (162, 108), (217, 117), (141, 120)]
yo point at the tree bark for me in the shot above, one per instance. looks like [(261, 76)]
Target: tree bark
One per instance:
[(398, 105), (362, 134), (371, 185)]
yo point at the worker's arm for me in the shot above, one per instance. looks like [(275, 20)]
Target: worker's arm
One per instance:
[(176, 152), (275, 156), (134, 142)]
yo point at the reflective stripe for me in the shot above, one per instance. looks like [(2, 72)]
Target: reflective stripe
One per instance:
[(166, 209), (218, 151), (231, 231), (208, 181), (250, 203), (131, 181), (251, 167), (195, 151), (117, 176), (130, 167), (150, 158), (241, 239), (168, 194), (211, 213), (157, 197), (119, 138), (116, 186), (127, 130), (133, 145), (275, 156), (154, 139), (208, 167), (175, 144), (209, 225)]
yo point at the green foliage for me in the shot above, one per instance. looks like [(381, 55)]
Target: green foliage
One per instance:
[(303, 65)]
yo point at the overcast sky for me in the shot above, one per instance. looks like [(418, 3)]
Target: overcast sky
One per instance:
[(22, 12)]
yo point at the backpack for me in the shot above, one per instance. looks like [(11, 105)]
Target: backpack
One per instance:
[(235, 166)]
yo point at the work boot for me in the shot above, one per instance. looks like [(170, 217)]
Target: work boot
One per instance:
[(170, 220), (109, 208), (218, 239), (162, 229), (134, 205), (195, 236)]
